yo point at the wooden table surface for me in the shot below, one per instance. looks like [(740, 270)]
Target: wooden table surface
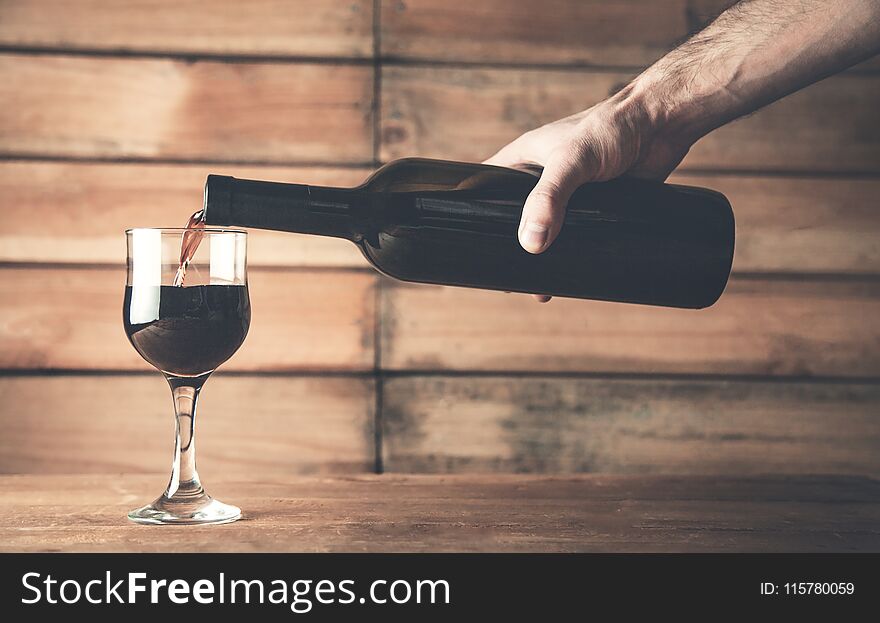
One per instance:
[(456, 513)]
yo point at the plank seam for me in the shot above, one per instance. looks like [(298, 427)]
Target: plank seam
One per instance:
[(391, 373), (378, 378), (185, 57), (389, 59), (843, 175), (123, 160), (770, 276), (377, 79), (258, 268)]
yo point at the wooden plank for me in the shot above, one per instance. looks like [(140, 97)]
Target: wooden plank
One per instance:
[(804, 131), (471, 112), (783, 224), (801, 225), (246, 425), (628, 32), (468, 113), (701, 12), (159, 108), (70, 318), (760, 327), (256, 27), (457, 514), (77, 211), (558, 425)]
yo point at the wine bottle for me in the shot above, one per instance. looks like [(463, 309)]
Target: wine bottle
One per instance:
[(453, 223)]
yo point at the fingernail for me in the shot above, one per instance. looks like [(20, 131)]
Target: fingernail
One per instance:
[(534, 236)]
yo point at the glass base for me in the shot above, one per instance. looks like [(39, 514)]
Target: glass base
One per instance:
[(202, 509)]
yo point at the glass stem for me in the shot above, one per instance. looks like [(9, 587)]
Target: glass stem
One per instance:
[(184, 483)]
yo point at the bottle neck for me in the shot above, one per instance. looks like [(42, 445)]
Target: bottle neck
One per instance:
[(324, 211)]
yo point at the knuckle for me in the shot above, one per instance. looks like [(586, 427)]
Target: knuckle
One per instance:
[(544, 206), (544, 196)]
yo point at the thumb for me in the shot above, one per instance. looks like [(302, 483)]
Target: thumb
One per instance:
[(544, 210)]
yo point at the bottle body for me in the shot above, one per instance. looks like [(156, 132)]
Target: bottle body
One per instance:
[(456, 224)]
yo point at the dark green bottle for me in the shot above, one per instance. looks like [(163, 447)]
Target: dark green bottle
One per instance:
[(453, 223)]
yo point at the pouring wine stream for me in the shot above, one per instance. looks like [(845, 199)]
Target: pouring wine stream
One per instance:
[(192, 237)]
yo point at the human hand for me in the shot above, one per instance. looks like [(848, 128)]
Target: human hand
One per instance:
[(598, 144), (613, 138)]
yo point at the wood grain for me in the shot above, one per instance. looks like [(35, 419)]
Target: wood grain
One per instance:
[(160, 108), (82, 209), (624, 33), (558, 425), (457, 514), (783, 224), (247, 425), (628, 32), (829, 126), (759, 327), (469, 113), (801, 225), (257, 27), (70, 318)]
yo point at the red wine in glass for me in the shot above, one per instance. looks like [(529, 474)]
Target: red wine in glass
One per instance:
[(196, 327), (186, 332)]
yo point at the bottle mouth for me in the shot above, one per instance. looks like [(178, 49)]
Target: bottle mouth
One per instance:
[(180, 230), (217, 202)]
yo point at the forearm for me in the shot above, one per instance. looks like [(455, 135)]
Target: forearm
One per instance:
[(754, 53)]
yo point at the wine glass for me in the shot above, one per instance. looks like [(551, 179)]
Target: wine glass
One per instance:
[(186, 331)]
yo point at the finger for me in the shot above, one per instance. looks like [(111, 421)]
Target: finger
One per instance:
[(542, 298), (507, 156), (544, 209)]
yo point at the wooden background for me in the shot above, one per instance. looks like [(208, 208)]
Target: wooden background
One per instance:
[(113, 112)]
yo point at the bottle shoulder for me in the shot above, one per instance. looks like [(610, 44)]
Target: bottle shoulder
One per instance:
[(425, 175)]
